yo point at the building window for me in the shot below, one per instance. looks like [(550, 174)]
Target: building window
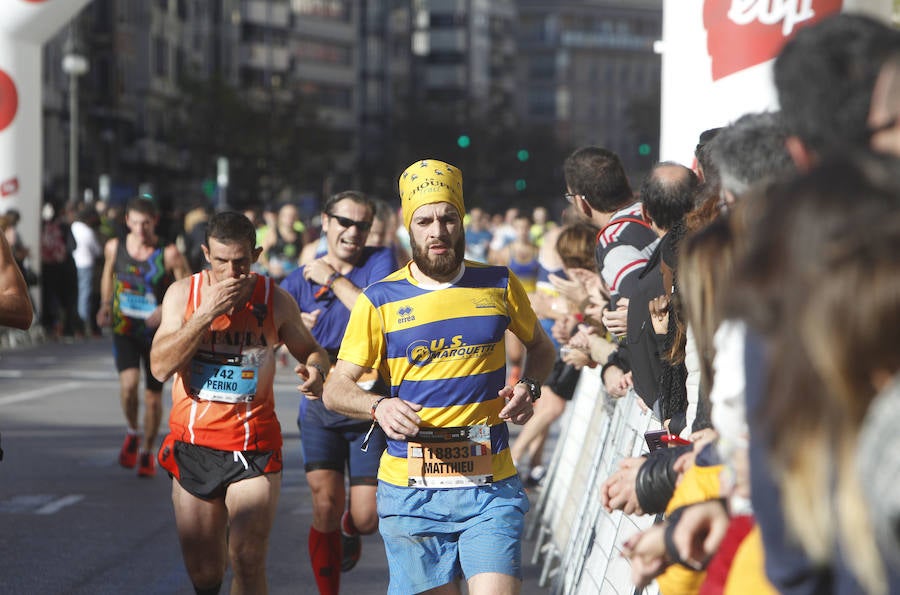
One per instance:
[(315, 51), (541, 102), (542, 66), (251, 33), (160, 57), (123, 80), (180, 64), (102, 77), (102, 17), (338, 10), (327, 95), (251, 77), (439, 21), (531, 29)]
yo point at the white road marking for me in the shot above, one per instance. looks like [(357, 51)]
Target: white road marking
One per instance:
[(57, 505), (24, 503), (37, 393), (74, 374)]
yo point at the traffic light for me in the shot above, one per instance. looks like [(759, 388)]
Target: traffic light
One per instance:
[(523, 155), (209, 188), (463, 141), (521, 184), (643, 149)]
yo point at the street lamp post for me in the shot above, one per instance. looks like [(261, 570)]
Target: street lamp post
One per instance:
[(74, 65)]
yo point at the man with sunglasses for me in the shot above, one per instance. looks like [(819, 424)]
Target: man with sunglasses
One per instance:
[(326, 290)]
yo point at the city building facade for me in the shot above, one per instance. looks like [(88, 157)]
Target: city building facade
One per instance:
[(307, 97), (589, 70)]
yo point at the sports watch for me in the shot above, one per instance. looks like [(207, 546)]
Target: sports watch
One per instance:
[(533, 386)]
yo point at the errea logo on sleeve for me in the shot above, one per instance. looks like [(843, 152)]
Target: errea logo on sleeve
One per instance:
[(405, 314)]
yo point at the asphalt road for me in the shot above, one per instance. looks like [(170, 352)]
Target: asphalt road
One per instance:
[(72, 521)]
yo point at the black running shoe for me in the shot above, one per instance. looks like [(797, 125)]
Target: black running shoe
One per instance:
[(351, 545)]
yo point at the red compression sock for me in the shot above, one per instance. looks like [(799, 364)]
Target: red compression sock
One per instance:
[(325, 555)]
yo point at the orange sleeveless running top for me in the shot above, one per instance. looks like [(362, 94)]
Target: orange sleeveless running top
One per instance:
[(236, 353)]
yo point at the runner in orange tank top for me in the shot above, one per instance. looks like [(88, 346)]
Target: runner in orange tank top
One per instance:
[(217, 337), (232, 361)]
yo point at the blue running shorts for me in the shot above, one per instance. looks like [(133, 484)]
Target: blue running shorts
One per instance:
[(433, 536), (339, 449)]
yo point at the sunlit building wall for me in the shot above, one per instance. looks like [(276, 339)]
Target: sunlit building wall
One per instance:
[(589, 68)]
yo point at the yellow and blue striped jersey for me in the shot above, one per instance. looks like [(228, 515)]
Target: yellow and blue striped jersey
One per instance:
[(442, 347)]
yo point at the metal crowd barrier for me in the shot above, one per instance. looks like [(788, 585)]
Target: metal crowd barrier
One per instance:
[(578, 542)]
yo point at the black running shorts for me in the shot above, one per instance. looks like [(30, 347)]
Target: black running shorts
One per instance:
[(207, 472)]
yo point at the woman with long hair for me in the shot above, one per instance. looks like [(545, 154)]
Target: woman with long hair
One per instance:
[(818, 279)]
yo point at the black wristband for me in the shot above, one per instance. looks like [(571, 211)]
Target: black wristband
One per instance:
[(319, 368), (534, 387), (669, 538)]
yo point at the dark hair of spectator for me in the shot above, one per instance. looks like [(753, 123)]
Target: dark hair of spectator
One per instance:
[(809, 244), (705, 264), (598, 175), (668, 193), (382, 209), (825, 76), (575, 245), (750, 150)]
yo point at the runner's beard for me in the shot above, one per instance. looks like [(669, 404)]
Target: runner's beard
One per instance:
[(441, 267)]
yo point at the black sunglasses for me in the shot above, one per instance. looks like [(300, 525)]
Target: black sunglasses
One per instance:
[(348, 223)]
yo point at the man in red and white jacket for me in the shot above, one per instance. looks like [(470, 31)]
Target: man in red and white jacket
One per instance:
[(598, 189)]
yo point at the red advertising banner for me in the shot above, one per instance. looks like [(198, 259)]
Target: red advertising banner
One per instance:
[(9, 187), (9, 100), (744, 33)]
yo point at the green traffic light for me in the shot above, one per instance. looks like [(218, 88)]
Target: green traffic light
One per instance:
[(521, 184), (644, 149), (523, 155), (209, 188), (463, 141)]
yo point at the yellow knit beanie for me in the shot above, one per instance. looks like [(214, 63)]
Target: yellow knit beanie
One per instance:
[(429, 181)]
